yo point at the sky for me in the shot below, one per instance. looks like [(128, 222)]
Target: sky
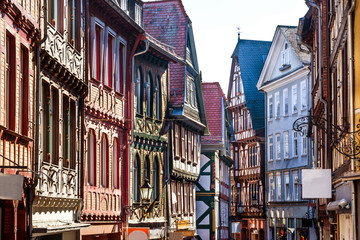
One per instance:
[(215, 24)]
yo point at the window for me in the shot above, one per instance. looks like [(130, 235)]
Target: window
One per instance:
[(295, 144), (92, 158), (138, 93), (294, 99), (196, 148), (116, 165), (176, 140), (278, 146), (121, 63), (108, 56), (174, 202), (156, 178), (287, 186), (191, 92), (138, 14), (10, 82), (137, 176), (285, 56), (186, 198), (148, 93), (54, 126), (286, 101), (56, 14), (147, 168), (104, 162), (179, 200), (123, 5), (183, 143), (272, 187), (286, 144), (277, 105), (303, 95), (24, 91), (46, 101), (69, 132), (278, 186), (190, 136), (270, 106), (271, 148), (110, 60), (191, 198), (304, 142), (158, 98), (295, 186), (73, 13)]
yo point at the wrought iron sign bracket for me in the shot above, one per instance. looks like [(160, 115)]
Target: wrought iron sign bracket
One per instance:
[(345, 142)]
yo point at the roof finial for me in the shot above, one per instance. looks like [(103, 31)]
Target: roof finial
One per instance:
[(239, 32)]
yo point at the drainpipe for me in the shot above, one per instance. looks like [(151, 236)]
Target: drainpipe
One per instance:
[(312, 4), (352, 120), (37, 106)]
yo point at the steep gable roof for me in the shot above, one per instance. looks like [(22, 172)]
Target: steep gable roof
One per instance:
[(214, 99), (287, 34), (251, 55)]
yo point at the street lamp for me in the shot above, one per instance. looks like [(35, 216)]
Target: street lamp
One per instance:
[(240, 208), (146, 192)]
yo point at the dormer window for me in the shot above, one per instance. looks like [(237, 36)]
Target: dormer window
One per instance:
[(138, 14), (124, 5), (285, 58)]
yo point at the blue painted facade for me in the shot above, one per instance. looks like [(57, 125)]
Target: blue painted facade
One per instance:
[(286, 80)]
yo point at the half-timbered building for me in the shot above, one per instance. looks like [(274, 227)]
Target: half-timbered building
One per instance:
[(61, 90), (213, 188), (246, 107), (150, 135), (187, 120), (113, 33), (19, 31)]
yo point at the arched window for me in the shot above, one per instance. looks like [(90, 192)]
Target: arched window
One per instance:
[(138, 83), (136, 181), (92, 158), (104, 162), (158, 98), (155, 178), (116, 168), (147, 168), (149, 97)]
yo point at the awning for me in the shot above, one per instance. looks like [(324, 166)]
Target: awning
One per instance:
[(338, 205), (58, 226)]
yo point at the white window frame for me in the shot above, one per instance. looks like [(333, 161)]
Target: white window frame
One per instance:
[(277, 105), (287, 193), (296, 182), (303, 95), (278, 146), (271, 187), (286, 102), (286, 144), (278, 186), (109, 31), (295, 144), (120, 41), (294, 99), (138, 10), (94, 22), (270, 107), (285, 55), (271, 147)]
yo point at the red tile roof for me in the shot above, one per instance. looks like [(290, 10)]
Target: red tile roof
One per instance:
[(166, 21), (213, 95)]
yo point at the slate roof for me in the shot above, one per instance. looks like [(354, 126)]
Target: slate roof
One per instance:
[(251, 55), (213, 95), (290, 34), (166, 21)]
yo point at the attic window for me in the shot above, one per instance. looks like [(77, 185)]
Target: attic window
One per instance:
[(285, 58)]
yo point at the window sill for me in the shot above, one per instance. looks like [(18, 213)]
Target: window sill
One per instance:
[(293, 113), (286, 115), (304, 154), (270, 119), (277, 118), (271, 161), (284, 67), (278, 159), (287, 158)]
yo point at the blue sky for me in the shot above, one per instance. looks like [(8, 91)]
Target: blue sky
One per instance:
[(215, 26)]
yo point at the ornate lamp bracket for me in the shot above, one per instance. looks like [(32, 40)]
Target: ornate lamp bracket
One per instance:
[(345, 142)]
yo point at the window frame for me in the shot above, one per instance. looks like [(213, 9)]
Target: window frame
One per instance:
[(278, 186), (278, 146), (294, 99), (270, 108), (104, 166), (24, 92), (271, 148), (286, 102), (92, 147), (286, 144), (303, 94), (277, 105)]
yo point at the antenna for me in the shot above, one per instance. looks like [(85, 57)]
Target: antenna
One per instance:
[(238, 28)]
